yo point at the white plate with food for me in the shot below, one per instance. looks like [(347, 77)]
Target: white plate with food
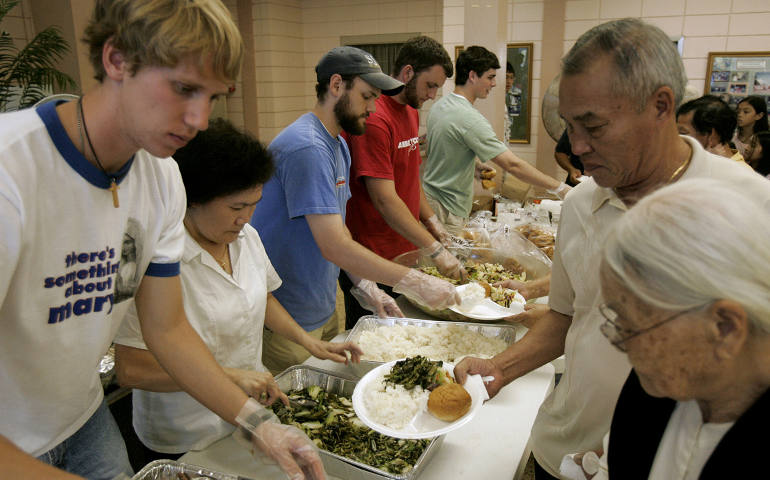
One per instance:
[(483, 302), (398, 411)]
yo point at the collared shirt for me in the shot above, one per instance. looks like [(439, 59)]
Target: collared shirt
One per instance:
[(687, 443), (577, 414), (228, 312)]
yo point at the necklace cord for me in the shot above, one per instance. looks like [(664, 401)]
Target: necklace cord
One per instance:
[(81, 120)]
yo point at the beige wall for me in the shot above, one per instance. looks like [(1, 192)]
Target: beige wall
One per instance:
[(291, 36)]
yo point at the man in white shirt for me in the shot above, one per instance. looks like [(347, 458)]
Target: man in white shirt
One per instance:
[(621, 84), (80, 183)]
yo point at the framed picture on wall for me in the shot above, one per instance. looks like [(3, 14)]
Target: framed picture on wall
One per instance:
[(518, 88), (735, 75)]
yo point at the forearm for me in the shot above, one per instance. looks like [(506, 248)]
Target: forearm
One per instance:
[(400, 219), (280, 321), (425, 209), (563, 161), (138, 368), (363, 263), (17, 464), (395, 212), (524, 171), (542, 343), (180, 351)]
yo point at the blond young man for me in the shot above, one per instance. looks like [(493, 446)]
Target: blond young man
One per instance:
[(86, 188)]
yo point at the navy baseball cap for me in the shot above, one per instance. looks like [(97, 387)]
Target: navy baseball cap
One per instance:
[(354, 61)]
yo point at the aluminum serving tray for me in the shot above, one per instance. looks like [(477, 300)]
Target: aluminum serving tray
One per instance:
[(507, 332), (301, 376), (172, 470)]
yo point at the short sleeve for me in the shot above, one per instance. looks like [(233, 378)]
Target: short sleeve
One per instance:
[(10, 238), (308, 179), (168, 251), (561, 296), (563, 146), (371, 153), (481, 139)]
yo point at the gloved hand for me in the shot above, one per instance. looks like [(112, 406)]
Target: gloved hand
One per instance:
[(427, 290), (259, 430), (439, 232), (484, 171), (372, 298), (561, 191), (446, 263)]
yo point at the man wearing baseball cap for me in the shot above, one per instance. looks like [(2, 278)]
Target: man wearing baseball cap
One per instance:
[(301, 218)]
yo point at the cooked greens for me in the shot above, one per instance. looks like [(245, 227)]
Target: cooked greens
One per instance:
[(329, 420), (489, 273), (417, 370)]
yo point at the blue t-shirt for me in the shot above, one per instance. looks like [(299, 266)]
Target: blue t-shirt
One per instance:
[(311, 177)]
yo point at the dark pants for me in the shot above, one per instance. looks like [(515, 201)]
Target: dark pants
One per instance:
[(540, 473), (353, 309)]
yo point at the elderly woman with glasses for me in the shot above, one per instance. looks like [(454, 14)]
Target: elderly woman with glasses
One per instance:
[(686, 283)]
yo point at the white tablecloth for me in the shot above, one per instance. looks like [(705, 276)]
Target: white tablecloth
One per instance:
[(492, 446)]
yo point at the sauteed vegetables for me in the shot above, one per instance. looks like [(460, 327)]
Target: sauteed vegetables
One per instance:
[(330, 422)]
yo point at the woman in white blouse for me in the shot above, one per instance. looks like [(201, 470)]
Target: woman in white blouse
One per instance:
[(226, 280), (685, 280)]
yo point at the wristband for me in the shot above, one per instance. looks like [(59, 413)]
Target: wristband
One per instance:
[(436, 253), (253, 414)]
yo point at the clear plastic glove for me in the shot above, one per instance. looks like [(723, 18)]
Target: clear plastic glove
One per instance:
[(260, 431), (427, 290), (484, 171), (439, 232), (561, 191), (446, 263), (334, 351), (372, 298), (259, 385)]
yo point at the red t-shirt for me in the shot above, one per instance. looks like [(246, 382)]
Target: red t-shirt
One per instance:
[(387, 150)]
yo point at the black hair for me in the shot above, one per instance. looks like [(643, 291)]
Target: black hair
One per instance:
[(323, 85), (762, 165), (220, 161), (477, 59), (711, 112), (422, 53), (759, 104), (509, 68)]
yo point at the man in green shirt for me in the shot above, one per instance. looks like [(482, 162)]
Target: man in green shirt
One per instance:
[(458, 133)]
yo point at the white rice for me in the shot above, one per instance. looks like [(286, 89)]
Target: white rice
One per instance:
[(472, 293), (447, 343), (392, 405)]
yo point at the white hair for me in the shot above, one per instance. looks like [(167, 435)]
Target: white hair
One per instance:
[(694, 242), (643, 57)]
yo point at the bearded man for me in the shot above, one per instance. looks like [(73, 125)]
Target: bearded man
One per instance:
[(387, 211), (301, 218)]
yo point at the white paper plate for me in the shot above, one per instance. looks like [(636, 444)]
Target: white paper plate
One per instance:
[(486, 309), (423, 425)]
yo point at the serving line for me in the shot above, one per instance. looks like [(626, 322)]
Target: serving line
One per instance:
[(493, 445)]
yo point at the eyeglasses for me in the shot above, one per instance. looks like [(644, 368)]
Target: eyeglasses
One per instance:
[(618, 335)]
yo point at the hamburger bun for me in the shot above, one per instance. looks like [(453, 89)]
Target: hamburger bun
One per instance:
[(488, 174), (449, 402)]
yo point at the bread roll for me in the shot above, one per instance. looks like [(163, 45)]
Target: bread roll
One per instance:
[(449, 402), (488, 184), (488, 174)]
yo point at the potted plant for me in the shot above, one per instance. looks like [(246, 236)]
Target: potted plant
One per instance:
[(29, 74)]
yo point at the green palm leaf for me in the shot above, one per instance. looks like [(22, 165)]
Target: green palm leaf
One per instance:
[(28, 74)]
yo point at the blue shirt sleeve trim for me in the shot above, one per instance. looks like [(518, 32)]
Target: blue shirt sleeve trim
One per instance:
[(163, 269)]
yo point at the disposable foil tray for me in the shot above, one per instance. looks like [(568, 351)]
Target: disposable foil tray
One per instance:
[(172, 470), (302, 376), (506, 332)]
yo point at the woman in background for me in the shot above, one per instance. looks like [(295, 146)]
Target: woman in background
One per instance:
[(752, 118), (226, 280)]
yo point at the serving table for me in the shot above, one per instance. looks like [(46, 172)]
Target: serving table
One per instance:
[(493, 445)]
